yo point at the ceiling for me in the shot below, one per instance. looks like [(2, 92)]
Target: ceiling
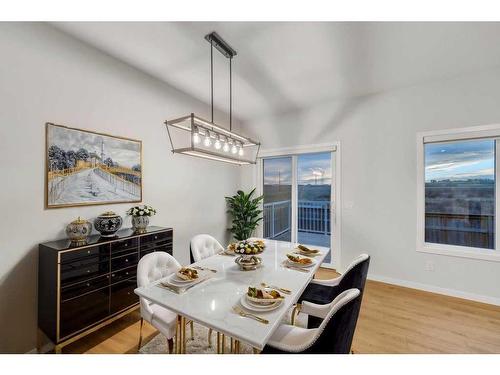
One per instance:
[(282, 67)]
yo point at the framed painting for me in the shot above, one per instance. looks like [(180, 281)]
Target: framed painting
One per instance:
[(88, 168)]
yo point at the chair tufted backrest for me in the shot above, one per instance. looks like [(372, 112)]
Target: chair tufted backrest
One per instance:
[(155, 266), (204, 246)]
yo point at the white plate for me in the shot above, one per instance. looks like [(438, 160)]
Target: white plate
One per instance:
[(181, 280), (177, 281), (244, 302), (257, 301), (307, 253), (313, 262)]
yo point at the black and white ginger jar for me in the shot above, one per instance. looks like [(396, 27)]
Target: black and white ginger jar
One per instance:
[(108, 223)]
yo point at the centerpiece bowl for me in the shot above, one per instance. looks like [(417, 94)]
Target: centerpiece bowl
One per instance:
[(247, 251)]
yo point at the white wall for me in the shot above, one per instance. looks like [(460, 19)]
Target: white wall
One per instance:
[(48, 76), (378, 142)]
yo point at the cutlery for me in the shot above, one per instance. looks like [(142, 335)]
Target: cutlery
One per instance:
[(204, 269), (295, 268), (286, 291), (168, 287), (227, 254), (240, 312)]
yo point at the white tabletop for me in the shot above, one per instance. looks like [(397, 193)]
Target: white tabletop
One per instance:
[(210, 303)]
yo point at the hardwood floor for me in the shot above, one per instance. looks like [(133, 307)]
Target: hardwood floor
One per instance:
[(393, 319)]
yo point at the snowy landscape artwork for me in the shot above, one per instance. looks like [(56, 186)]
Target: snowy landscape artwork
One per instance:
[(86, 168)]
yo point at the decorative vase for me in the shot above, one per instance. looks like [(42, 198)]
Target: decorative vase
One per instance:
[(140, 223), (108, 223), (78, 231)]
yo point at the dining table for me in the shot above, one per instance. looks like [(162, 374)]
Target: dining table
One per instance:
[(212, 302)]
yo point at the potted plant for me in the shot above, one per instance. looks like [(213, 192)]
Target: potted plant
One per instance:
[(140, 217), (246, 213)]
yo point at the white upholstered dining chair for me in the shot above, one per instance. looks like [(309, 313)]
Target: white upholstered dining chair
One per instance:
[(151, 268), (204, 246), (333, 336)]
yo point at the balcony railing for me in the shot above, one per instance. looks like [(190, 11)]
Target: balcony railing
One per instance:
[(313, 217)]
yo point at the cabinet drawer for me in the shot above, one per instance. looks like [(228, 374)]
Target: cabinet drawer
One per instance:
[(166, 248), (79, 313), (123, 296), (119, 247), (160, 236), (98, 252), (125, 261), (147, 251), (124, 274), (72, 273), (79, 289)]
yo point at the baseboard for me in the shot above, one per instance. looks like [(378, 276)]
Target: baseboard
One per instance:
[(438, 290)]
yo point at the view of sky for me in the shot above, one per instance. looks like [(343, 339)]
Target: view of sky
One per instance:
[(312, 169), (460, 160), (278, 171), (125, 153)]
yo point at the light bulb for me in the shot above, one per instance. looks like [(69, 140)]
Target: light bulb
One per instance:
[(226, 147), (240, 151), (217, 144), (234, 150), (196, 138), (207, 142)]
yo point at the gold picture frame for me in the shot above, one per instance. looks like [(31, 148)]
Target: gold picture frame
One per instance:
[(79, 173)]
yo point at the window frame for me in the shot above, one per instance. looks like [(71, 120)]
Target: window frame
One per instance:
[(476, 132)]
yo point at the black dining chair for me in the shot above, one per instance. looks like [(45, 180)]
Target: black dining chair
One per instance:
[(333, 336), (324, 291)]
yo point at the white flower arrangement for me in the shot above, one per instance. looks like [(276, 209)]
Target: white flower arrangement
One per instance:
[(141, 211)]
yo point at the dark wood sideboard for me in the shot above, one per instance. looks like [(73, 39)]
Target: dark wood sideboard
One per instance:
[(82, 288)]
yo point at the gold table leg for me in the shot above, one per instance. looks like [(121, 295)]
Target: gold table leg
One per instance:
[(183, 335), (221, 343), (180, 335), (231, 346), (236, 346), (177, 335)]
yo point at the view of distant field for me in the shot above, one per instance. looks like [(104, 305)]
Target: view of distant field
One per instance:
[(277, 193), (468, 197)]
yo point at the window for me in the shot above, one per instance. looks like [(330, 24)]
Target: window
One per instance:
[(457, 196)]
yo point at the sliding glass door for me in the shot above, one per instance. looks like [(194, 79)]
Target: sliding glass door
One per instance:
[(278, 198), (299, 202), (314, 189)]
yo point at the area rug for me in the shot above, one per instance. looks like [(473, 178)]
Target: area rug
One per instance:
[(158, 345)]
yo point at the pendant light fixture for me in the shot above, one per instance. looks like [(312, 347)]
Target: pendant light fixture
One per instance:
[(194, 136)]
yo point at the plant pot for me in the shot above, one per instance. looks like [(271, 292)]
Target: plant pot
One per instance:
[(140, 223)]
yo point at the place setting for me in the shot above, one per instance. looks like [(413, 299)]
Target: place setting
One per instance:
[(186, 278), (306, 251), (298, 262), (260, 300)]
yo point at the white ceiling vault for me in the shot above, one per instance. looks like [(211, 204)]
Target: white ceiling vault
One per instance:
[(289, 66)]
